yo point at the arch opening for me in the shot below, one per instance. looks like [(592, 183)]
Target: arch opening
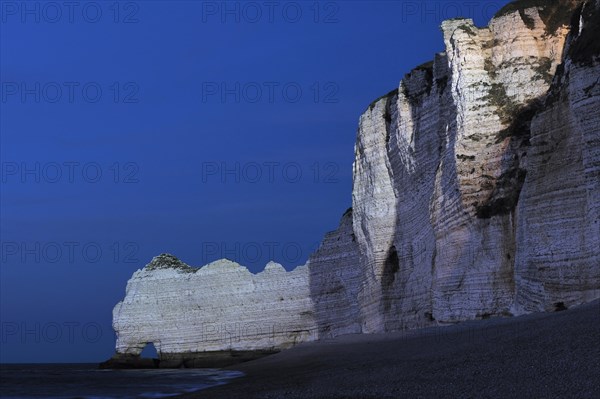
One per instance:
[(149, 351)]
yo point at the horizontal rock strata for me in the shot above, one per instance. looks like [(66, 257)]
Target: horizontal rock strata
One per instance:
[(221, 307), (476, 194)]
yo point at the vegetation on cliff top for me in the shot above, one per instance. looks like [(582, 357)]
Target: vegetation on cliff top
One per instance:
[(468, 29), (554, 14), (168, 261)]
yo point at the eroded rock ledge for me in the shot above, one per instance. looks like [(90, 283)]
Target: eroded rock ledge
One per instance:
[(476, 194)]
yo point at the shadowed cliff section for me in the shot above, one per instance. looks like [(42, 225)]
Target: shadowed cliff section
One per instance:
[(558, 259), (422, 113), (335, 279)]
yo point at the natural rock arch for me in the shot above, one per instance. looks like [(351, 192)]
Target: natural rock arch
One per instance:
[(149, 351)]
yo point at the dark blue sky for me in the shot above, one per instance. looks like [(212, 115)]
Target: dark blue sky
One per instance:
[(134, 128)]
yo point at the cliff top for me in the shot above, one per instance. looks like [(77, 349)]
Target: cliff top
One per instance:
[(521, 5), (387, 95), (168, 261), (554, 14)]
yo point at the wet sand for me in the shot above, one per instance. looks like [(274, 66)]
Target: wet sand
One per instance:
[(543, 355)]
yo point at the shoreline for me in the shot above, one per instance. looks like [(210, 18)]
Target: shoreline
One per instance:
[(536, 355)]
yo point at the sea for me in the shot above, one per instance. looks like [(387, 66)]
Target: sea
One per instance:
[(70, 381)]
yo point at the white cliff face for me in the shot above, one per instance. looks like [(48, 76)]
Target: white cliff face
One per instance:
[(221, 306), (423, 105), (476, 193), (558, 256), (374, 220), (452, 146), (335, 281), (496, 73)]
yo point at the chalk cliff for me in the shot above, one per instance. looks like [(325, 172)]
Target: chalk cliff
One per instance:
[(191, 314), (557, 261), (476, 194)]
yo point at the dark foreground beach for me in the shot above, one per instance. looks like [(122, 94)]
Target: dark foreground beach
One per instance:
[(544, 355)]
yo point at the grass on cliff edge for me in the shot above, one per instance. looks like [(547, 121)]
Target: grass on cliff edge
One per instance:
[(554, 13)]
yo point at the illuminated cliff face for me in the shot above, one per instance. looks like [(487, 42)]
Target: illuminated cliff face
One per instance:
[(440, 166), (221, 306), (476, 194)]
